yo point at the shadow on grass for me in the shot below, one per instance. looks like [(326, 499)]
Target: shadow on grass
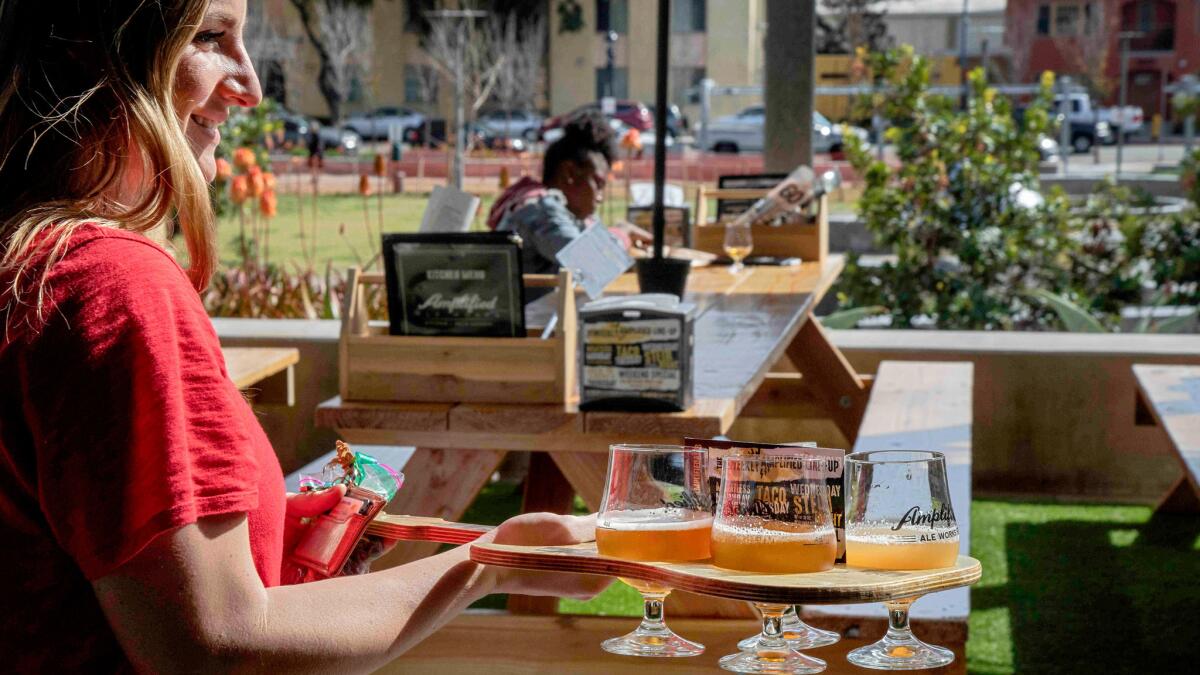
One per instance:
[(1101, 597)]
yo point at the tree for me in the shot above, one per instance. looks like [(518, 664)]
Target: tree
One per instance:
[(519, 48), (466, 56), (269, 51), (340, 33), (844, 25)]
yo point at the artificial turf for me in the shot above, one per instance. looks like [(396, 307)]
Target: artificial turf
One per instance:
[(1066, 588)]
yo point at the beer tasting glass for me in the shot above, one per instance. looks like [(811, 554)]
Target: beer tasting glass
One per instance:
[(773, 516), (738, 244), (654, 509), (899, 517)]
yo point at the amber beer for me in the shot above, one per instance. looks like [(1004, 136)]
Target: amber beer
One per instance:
[(646, 539), (778, 548), (883, 550)]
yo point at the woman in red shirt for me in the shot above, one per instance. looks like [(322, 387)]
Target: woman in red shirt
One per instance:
[(142, 510)]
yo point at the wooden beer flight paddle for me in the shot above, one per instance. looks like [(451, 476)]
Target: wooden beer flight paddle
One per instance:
[(839, 585), (421, 528)]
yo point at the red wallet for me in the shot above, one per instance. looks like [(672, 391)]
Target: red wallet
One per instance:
[(331, 537)]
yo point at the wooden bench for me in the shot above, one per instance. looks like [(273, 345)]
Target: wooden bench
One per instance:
[(1171, 394), (919, 405)]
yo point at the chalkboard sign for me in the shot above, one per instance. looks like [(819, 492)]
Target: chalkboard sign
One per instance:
[(454, 284), (677, 222), (637, 354)]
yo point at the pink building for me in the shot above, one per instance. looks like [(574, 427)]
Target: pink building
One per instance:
[(1079, 38)]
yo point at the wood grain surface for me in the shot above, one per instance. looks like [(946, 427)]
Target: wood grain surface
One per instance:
[(839, 585), (1173, 395), (248, 366), (422, 528)]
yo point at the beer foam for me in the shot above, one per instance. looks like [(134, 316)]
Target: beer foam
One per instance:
[(758, 535), (646, 520)]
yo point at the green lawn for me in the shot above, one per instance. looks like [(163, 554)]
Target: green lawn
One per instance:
[(343, 236), (1065, 588)]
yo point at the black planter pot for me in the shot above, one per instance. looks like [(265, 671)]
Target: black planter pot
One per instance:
[(663, 275)]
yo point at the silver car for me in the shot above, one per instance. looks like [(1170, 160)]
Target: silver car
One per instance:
[(744, 132), (379, 123), (515, 124)]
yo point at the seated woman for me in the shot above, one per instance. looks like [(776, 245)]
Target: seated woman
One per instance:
[(553, 213), (143, 516)]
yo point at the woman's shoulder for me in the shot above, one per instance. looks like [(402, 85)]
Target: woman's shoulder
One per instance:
[(115, 254)]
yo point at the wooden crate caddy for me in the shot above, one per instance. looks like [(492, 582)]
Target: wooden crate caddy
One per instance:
[(376, 366), (807, 239)]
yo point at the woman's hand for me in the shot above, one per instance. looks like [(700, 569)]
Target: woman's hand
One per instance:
[(546, 529)]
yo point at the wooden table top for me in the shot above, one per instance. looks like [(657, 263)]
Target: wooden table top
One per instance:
[(247, 366), (1173, 393), (744, 324)]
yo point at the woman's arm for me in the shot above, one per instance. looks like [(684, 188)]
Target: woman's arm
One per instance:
[(192, 600)]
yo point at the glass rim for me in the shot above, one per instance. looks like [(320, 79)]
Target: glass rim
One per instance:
[(863, 457), (653, 447)]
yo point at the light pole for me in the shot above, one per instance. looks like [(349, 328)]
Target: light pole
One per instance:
[(610, 71), (1064, 111), (464, 17), (1124, 37), (963, 28)]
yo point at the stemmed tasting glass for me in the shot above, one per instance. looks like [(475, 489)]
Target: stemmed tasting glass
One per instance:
[(773, 516), (738, 244), (655, 508), (899, 517), (800, 636)]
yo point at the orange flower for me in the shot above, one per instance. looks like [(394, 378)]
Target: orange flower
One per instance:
[(244, 158), (380, 165), (632, 140), (224, 170), (257, 185), (240, 189), (364, 185), (254, 170), (268, 181), (268, 204)]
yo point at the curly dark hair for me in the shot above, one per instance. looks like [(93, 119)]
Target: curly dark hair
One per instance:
[(583, 134)]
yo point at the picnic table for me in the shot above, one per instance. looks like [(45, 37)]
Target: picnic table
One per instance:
[(1172, 395), (267, 373), (758, 351)]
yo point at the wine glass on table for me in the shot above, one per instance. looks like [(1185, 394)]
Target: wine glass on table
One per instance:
[(738, 244), (654, 509), (773, 516), (899, 517)]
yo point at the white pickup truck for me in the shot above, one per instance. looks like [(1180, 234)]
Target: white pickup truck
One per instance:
[(1128, 120)]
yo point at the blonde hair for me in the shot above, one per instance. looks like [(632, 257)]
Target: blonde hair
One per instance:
[(86, 98)]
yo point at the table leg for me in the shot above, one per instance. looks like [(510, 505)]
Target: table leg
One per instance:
[(1182, 498), (440, 483), (546, 489), (830, 375)]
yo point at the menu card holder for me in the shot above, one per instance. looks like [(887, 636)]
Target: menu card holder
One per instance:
[(377, 366)]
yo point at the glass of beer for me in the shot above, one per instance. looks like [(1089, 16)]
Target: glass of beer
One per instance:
[(899, 517), (654, 509), (738, 244), (773, 516)]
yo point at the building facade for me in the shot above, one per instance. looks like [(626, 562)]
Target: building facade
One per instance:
[(1081, 38)]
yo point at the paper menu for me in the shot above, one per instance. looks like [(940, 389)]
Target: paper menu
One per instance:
[(596, 259), (449, 210)]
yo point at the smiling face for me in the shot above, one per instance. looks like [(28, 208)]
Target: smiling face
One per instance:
[(214, 75)]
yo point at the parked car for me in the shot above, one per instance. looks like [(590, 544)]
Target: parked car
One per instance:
[(744, 132), (1128, 120), (633, 113), (296, 128), (377, 124), (1082, 136), (515, 124), (677, 122)]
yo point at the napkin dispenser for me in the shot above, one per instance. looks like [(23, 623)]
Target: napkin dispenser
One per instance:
[(636, 353)]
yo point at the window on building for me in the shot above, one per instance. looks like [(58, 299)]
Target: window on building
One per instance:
[(620, 83), (612, 15), (1090, 18), (684, 83), (1066, 20), (1043, 20), (415, 20), (1145, 16), (420, 83), (688, 16)]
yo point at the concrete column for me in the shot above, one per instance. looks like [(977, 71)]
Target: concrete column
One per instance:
[(788, 90)]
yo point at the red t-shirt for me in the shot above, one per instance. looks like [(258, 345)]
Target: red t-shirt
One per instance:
[(118, 423)]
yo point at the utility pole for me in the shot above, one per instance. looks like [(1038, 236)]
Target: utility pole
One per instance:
[(1124, 37), (610, 71), (963, 30), (788, 94)]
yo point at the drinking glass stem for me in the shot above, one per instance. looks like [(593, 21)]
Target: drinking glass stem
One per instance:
[(898, 628), (652, 613), (772, 633)]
